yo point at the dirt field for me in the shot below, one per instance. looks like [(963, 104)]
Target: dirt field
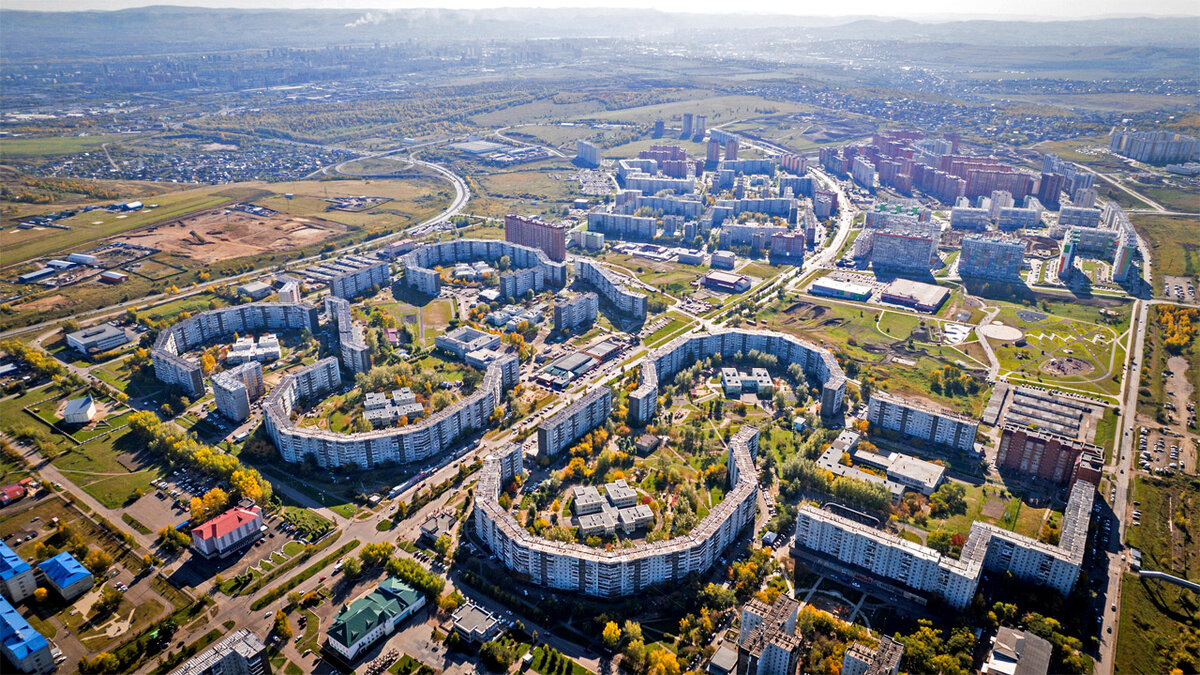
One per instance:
[(222, 234), (50, 302)]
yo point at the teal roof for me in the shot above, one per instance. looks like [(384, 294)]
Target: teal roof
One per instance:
[(390, 598)]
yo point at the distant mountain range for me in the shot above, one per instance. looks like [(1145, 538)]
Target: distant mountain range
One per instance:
[(166, 30)]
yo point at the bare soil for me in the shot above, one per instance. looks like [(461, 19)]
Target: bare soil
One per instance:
[(223, 234)]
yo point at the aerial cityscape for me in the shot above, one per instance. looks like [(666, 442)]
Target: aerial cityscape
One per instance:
[(599, 341)]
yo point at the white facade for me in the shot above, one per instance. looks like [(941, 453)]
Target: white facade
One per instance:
[(919, 420), (227, 532), (611, 288), (559, 431), (925, 570), (234, 389), (626, 571)]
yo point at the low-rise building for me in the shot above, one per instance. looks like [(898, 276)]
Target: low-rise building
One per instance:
[(229, 532), (97, 338), (461, 341), (475, 624), (726, 281), (239, 653), (17, 580), (255, 290), (66, 575), (80, 410), (842, 290), (25, 648), (1016, 652), (372, 617)]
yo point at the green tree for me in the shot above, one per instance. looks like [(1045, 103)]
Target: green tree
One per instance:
[(352, 568)]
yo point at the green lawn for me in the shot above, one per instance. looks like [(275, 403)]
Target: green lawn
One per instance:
[(1106, 432), (1174, 246), (1154, 616), (88, 228), (541, 665), (29, 148), (1174, 199)]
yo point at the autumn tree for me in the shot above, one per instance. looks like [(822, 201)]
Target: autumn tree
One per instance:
[(611, 635), (282, 627)]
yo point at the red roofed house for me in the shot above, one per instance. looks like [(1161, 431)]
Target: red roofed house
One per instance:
[(11, 493), (229, 531)]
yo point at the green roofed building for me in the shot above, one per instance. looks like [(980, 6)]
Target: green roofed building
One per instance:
[(373, 616)]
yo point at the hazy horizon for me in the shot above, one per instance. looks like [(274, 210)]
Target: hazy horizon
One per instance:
[(936, 10)]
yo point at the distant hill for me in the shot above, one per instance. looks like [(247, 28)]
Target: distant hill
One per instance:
[(167, 30)]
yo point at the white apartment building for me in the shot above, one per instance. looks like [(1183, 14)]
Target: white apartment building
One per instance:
[(234, 389), (210, 326), (662, 363), (624, 571), (577, 312), (559, 431), (924, 570), (413, 442), (17, 580), (920, 420), (420, 275), (626, 301)]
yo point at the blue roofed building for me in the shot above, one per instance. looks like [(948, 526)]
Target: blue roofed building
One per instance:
[(25, 648), (66, 575), (16, 576)]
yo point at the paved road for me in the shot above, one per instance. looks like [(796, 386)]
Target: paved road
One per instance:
[(462, 193)]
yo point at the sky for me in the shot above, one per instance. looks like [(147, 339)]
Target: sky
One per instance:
[(1032, 9)]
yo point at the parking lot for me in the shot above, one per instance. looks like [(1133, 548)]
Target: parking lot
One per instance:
[(1162, 451), (1179, 288)]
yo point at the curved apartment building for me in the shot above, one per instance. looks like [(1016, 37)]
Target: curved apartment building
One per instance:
[(620, 572), (411, 443), (662, 364), (533, 269), (206, 327)]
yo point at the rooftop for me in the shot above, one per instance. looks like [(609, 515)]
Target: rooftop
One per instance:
[(63, 570), (11, 564), (78, 406), (390, 598), (18, 637), (227, 522), (1018, 653)]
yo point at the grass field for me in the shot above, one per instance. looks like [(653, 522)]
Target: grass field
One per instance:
[(32, 148), (669, 277), (851, 333), (718, 109), (1174, 246), (1154, 616), (1173, 199), (88, 228), (1152, 389), (676, 325)]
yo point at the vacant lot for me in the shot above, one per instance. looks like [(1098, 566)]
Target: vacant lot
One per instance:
[(1174, 245), (87, 229), (224, 234)]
